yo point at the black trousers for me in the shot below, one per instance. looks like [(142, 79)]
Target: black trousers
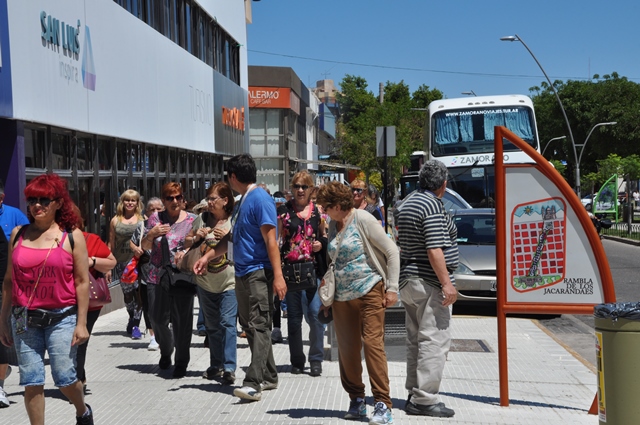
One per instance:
[(177, 310), (81, 355)]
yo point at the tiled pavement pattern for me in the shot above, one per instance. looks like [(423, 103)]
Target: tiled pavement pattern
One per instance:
[(547, 384)]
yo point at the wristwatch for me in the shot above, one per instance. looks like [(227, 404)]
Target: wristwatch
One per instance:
[(94, 262)]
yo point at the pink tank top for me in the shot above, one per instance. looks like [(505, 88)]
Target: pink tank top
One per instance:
[(56, 288)]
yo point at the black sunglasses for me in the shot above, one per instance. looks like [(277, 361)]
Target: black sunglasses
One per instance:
[(300, 186), (42, 201), (357, 190), (173, 198)]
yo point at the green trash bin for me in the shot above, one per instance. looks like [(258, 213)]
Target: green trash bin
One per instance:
[(617, 358)]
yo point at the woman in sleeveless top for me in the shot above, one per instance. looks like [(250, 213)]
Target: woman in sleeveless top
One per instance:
[(216, 288), (128, 218), (303, 240), (47, 278)]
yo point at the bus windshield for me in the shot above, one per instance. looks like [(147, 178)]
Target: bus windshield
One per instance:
[(471, 130)]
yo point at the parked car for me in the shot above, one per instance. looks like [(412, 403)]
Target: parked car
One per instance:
[(451, 199), (587, 201), (476, 273)]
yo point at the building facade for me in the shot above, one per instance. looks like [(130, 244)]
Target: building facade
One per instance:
[(121, 94), (291, 129)]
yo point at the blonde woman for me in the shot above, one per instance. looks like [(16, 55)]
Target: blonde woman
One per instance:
[(128, 218)]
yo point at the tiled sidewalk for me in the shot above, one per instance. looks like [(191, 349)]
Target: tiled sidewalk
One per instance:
[(547, 385)]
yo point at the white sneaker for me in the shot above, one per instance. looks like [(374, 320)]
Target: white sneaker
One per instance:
[(267, 386), (153, 344), (247, 393), (381, 415), (4, 401)]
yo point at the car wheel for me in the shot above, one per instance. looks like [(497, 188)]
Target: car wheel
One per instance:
[(588, 207)]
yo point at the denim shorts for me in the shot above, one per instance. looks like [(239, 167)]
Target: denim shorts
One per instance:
[(56, 340)]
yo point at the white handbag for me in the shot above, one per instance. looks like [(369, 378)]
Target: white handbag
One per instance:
[(327, 289)]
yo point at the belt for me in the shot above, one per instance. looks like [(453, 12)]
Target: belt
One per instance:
[(43, 317)]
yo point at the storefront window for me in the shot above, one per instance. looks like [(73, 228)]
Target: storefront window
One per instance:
[(273, 146), (61, 151), (85, 153), (273, 122), (105, 158), (173, 162), (150, 158), (123, 156), (34, 148), (163, 156), (137, 151)]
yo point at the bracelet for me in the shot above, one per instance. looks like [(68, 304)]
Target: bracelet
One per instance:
[(94, 262)]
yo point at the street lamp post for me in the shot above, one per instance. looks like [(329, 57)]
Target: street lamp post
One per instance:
[(469, 93), (555, 138), (582, 146), (564, 114)]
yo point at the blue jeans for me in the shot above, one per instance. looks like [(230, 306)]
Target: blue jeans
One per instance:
[(304, 303), (56, 340), (220, 311)]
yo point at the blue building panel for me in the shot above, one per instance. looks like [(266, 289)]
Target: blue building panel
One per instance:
[(6, 95), (327, 120)]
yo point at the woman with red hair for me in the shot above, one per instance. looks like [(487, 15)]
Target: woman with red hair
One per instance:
[(174, 305), (48, 311)]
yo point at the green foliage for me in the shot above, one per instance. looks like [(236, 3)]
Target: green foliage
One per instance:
[(559, 166), (362, 113), (587, 103)]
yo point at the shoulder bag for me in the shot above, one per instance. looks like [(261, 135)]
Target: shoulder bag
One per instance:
[(170, 278), (300, 276), (99, 294)]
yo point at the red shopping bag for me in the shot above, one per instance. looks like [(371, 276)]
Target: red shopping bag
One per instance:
[(130, 273)]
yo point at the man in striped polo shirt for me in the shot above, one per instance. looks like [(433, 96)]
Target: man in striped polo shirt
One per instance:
[(428, 257)]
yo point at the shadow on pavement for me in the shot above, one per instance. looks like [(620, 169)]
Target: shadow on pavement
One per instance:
[(301, 413), (496, 401)]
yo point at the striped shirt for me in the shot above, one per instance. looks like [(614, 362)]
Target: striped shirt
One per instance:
[(424, 224)]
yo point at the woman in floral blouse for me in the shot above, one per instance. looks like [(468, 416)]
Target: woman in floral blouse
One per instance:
[(303, 240)]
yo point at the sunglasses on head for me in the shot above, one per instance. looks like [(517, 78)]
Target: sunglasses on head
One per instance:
[(300, 186), (44, 202), (173, 198), (357, 190)]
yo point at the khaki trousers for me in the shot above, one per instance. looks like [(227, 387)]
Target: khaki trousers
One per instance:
[(428, 325), (360, 323)]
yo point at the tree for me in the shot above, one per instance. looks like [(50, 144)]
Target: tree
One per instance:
[(587, 103), (362, 113)]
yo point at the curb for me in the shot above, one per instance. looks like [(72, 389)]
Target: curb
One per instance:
[(621, 240)]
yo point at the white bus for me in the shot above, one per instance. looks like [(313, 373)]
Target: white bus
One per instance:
[(460, 133)]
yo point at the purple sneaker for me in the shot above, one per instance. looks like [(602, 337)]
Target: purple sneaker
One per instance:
[(135, 333)]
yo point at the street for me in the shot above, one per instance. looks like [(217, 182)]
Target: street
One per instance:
[(576, 331)]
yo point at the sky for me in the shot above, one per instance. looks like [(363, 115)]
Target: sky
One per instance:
[(450, 45)]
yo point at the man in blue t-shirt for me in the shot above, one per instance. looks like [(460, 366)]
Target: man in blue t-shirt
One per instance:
[(10, 217), (253, 247)]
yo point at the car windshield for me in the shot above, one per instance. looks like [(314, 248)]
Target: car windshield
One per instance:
[(476, 229)]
